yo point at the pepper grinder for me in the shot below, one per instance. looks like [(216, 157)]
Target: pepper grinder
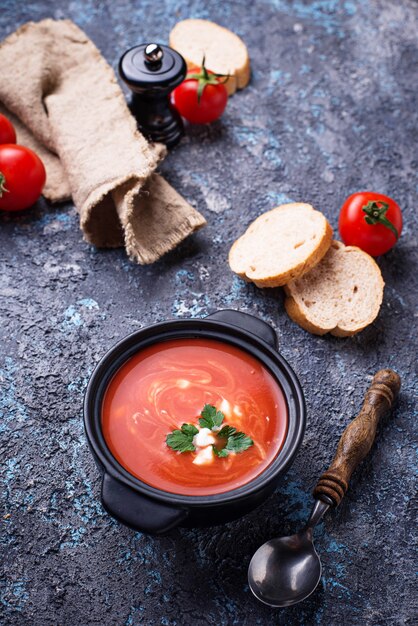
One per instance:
[(151, 72)]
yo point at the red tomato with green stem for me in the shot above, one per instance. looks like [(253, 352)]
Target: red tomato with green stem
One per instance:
[(22, 177), (371, 221), (202, 97), (7, 131)]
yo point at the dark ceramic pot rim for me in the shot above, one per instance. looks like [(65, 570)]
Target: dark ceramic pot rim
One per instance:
[(260, 342)]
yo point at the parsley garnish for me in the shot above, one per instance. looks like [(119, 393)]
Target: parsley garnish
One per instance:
[(182, 440), (236, 441), (226, 431), (211, 418)]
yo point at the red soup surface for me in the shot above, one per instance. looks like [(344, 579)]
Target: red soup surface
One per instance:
[(168, 384)]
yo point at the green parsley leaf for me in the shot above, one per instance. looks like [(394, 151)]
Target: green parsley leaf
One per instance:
[(221, 453), (182, 440), (211, 418), (238, 442), (189, 429), (226, 431)]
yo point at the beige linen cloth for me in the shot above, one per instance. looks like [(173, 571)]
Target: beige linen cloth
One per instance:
[(67, 106)]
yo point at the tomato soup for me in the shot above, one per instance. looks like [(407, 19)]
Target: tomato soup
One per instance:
[(166, 385)]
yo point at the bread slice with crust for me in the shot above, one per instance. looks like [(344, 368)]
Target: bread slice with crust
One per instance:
[(224, 52), (281, 245), (341, 295)]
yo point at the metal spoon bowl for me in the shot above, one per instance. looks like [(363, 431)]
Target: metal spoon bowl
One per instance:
[(287, 570)]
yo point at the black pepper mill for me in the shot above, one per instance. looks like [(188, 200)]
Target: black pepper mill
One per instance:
[(152, 71)]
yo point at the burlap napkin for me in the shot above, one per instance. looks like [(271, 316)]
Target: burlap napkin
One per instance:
[(66, 105)]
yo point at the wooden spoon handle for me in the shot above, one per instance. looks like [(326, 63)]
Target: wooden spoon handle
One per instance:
[(358, 437)]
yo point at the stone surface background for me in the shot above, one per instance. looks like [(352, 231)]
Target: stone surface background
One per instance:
[(331, 109)]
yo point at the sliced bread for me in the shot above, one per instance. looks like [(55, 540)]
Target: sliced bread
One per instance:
[(224, 52), (341, 295), (281, 245)]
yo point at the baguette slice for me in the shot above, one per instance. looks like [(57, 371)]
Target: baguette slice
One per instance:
[(224, 52), (281, 245), (341, 295)]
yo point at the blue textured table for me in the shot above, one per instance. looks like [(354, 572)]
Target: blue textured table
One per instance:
[(331, 109)]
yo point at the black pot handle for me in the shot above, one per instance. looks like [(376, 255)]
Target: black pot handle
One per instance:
[(247, 322), (137, 511)]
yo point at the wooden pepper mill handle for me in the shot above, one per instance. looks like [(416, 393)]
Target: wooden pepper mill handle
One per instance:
[(358, 437)]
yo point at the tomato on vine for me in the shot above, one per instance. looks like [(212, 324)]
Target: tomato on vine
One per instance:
[(202, 97), (371, 221)]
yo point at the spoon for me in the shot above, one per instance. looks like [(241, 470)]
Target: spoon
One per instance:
[(287, 570)]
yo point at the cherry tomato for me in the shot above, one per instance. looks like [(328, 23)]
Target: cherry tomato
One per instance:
[(7, 131), (201, 98), (371, 221), (22, 177)]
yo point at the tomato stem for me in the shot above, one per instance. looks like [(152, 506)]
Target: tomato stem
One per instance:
[(205, 78), (2, 183), (376, 214)]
